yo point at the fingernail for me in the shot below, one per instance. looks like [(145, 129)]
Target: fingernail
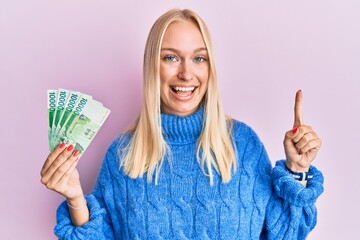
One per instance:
[(294, 130), (70, 148), (76, 153), (62, 145)]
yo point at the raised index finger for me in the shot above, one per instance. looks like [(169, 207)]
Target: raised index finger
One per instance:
[(298, 120)]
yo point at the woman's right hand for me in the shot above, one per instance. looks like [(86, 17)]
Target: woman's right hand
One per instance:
[(59, 172)]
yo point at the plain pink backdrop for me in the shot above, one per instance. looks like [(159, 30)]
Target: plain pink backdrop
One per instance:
[(265, 51)]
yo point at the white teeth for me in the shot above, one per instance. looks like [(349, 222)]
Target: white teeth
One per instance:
[(184, 89)]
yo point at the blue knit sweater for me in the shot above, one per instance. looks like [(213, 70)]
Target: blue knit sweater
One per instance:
[(260, 202)]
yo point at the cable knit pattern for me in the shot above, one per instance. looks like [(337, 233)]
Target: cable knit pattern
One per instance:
[(258, 203)]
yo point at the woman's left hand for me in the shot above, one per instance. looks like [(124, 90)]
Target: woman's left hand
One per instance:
[(301, 143)]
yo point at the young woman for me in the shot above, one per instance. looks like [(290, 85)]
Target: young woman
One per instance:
[(185, 170)]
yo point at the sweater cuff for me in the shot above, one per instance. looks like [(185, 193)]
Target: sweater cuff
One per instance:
[(64, 228), (293, 192)]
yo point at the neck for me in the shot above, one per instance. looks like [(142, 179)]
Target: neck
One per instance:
[(181, 130)]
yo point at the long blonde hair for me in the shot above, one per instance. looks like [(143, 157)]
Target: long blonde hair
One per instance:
[(147, 148)]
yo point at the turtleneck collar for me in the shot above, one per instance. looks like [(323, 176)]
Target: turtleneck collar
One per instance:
[(182, 130)]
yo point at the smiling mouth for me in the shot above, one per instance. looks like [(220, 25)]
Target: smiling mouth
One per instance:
[(183, 90)]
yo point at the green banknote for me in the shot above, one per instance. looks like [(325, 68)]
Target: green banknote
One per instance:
[(62, 96), (84, 127), (83, 101), (51, 99), (78, 121), (70, 104)]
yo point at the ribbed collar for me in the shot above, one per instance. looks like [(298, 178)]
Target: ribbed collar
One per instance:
[(182, 130)]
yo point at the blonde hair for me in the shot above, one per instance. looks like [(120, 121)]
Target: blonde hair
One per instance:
[(147, 148)]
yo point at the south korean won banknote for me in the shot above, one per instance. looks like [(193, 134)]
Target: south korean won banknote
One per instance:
[(73, 118)]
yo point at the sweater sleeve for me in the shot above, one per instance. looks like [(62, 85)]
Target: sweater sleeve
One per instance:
[(100, 206), (291, 211)]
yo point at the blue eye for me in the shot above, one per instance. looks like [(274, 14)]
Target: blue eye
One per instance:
[(170, 58), (199, 59)]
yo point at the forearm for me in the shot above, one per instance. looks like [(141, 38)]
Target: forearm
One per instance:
[(79, 212)]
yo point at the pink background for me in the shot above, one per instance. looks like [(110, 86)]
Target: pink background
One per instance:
[(265, 51)]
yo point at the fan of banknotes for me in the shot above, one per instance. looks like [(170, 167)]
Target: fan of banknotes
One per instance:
[(74, 118)]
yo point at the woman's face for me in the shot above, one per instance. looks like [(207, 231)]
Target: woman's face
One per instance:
[(184, 69)]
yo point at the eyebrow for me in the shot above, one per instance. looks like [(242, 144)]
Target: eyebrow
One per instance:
[(177, 51)]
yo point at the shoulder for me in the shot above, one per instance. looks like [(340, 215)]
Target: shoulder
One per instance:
[(242, 132), (120, 141), (117, 147), (249, 148)]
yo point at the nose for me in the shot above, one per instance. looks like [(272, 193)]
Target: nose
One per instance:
[(185, 73)]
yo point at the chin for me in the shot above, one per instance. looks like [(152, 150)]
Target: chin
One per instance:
[(186, 111)]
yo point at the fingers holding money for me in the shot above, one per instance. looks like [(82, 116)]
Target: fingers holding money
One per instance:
[(58, 163), (52, 156), (59, 181)]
